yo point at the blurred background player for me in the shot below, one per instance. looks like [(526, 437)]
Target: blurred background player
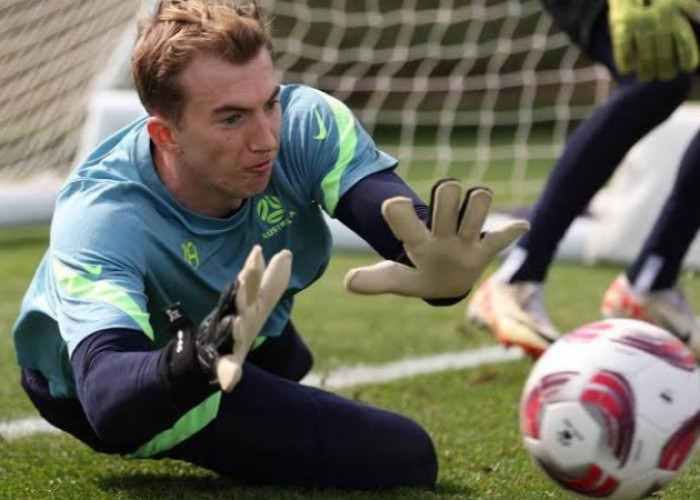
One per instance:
[(650, 49), (178, 212)]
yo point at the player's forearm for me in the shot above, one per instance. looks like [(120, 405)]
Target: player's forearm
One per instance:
[(360, 210), (119, 387)]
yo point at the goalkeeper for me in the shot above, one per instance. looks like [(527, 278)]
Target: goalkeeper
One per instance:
[(158, 322), (650, 48)]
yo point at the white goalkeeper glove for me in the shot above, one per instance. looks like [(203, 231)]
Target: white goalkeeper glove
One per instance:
[(216, 350), (448, 258), (259, 291)]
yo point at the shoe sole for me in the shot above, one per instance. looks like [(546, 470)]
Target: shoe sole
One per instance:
[(478, 320)]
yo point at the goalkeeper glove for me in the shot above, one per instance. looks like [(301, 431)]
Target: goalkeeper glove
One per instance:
[(654, 38), (215, 351), (447, 259)]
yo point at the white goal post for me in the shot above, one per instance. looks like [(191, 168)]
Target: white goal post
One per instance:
[(486, 91), (51, 54)]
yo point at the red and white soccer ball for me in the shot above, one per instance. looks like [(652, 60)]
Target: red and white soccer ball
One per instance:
[(612, 410)]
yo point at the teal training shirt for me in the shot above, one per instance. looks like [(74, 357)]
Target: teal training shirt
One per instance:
[(122, 247)]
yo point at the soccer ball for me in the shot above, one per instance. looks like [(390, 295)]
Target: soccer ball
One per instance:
[(612, 410)]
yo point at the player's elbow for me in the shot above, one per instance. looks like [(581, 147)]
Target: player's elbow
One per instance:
[(114, 434), (118, 393)]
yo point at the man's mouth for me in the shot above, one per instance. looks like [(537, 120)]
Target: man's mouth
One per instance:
[(261, 167)]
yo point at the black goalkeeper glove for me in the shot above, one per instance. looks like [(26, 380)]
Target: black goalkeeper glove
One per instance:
[(215, 350), (194, 352)]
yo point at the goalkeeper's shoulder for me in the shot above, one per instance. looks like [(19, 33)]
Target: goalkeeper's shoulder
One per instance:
[(299, 97), (98, 214)]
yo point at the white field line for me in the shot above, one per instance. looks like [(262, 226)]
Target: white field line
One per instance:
[(341, 378), (344, 378), (15, 429)]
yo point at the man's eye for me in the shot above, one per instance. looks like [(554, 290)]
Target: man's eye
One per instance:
[(271, 104), (230, 120)]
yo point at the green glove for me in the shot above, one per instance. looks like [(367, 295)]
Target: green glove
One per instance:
[(654, 38)]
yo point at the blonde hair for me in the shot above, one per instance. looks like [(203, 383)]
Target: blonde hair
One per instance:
[(180, 29)]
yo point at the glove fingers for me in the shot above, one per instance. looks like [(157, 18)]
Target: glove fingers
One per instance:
[(256, 284), (646, 56), (622, 52), (503, 236), (229, 368), (383, 277), (686, 47), (227, 300), (403, 221), (476, 210), (274, 281), (222, 331), (249, 278), (667, 65), (228, 372), (444, 207), (690, 8), (622, 41)]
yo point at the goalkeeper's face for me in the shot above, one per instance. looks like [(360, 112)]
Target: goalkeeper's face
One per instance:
[(224, 146)]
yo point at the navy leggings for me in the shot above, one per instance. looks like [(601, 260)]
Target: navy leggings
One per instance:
[(592, 154), (272, 430)]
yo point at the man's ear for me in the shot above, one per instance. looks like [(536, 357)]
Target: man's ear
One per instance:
[(162, 133)]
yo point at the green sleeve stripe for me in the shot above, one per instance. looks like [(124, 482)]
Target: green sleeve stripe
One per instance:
[(83, 288), (347, 139), (188, 425), (259, 340)]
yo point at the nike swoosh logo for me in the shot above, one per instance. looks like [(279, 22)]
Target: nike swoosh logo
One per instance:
[(94, 270), (322, 130)]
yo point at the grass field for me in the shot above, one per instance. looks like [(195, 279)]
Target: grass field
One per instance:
[(471, 414)]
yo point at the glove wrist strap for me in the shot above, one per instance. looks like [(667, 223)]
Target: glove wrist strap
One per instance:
[(179, 363)]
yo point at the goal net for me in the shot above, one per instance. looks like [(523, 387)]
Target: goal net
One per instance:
[(485, 91), (50, 53)]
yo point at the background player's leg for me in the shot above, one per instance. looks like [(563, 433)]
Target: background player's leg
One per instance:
[(592, 154), (675, 228)]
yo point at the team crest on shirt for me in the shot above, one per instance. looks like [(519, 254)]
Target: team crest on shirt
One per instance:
[(271, 211), (190, 253)]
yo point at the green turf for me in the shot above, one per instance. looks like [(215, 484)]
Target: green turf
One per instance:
[(471, 414), (20, 251)]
